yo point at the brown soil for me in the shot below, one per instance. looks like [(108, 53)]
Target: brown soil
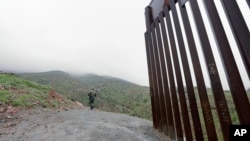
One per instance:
[(80, 124)]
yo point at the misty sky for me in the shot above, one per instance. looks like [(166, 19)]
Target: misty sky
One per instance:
[(76, 36), (104, 37)]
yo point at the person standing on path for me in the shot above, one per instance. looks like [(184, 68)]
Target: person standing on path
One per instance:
[(92, 95)]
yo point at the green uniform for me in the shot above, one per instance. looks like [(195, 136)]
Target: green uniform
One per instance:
[(92, 95)]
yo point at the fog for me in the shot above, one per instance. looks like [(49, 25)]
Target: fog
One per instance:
[(78, 37), (100, 37)]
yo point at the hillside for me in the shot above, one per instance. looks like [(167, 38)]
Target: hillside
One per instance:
[(62, 82), (18, 92), (114, 94), (28, 109)]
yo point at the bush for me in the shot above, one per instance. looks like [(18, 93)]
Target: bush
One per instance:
[(4, 96)]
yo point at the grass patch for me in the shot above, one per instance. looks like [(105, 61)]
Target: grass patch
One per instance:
[(4, 97), (22, 93)]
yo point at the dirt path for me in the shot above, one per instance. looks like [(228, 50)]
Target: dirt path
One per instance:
[(76, 125)]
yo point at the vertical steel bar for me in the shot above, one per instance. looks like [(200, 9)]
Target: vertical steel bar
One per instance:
[(159, 78), (178, 76), (149, 20), (234, 78), (212, 69), (198, 73), (241, 34), (185, 115), (165, 82), (152, 97), (156, 90), (171, 75)]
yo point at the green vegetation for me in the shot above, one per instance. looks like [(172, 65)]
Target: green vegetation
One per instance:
[(117, 95), (22, 93), (114, 95), (231, 108), (62, 82)]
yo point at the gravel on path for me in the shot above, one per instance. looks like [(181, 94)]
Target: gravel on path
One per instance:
[(78, 125)]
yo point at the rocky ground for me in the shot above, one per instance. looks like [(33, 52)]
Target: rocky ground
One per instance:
[(79, 124)]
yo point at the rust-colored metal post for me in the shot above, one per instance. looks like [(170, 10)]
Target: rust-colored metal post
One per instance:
[(177, 115), (159, 78), (163, 74), (155, 110), (242, 35), (156, 88), (239, 29), (199, 76), (152, 97), (186, 70), (165, 81), (155, 82)]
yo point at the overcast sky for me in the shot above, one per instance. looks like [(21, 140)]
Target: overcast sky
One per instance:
[(104, 37)]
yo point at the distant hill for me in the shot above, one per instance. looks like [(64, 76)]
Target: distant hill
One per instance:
[(114, 94), (61, 81), (16, 91), (92, 79)]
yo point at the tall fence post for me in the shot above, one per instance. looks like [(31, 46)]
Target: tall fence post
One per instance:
[(176, 109)]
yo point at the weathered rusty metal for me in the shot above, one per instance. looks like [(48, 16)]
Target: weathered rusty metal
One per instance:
[(170, 72), (159, 103), (159, 80), (160, 40), (181, 92), (219, 97), (242, 36), (198, 73), (165, 81), (212, 70), (234, 79), (153, 71), (155, 86), (152, 97), (177, 114), (187, 74)]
